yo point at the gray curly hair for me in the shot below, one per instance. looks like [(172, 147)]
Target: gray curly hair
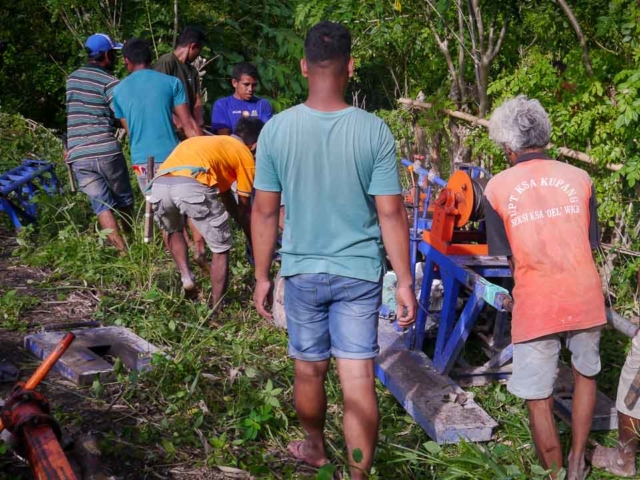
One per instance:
[(521, 124)]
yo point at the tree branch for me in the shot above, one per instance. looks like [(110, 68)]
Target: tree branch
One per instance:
[(564, 151), (581, 38), (477, 14), (503, 33), (175, 23), (444, 48), (461, 85)]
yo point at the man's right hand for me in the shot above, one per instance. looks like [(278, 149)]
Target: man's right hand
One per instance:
[(407, 306), (262, 298)]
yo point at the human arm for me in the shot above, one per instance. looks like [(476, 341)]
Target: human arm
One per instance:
[(240, 211), (394, 226), (594, 226), (198, 111), (266, 111), (281, 218), (124, 125), (264, 228), (220, 123), (187, 122), (497, 238)]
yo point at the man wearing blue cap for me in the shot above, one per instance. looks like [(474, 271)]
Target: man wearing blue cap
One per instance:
[(92, 148)]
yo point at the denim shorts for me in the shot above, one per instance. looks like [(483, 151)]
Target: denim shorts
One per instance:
[(332, 315), (535, 363), (173, 198), (105, 181)]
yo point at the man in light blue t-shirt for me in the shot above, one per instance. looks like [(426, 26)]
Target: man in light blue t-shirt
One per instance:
[(144, 102), (336, 165)]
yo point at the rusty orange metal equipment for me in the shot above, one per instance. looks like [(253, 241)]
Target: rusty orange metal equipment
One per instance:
[(459, 203), (26, 414)]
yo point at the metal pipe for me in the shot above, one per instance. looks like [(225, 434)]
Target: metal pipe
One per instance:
[(621, 324), (414, 234), (43, 451), (148, 209), (47, 365)]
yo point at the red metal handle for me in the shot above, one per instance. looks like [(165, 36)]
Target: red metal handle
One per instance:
[(48, 363)]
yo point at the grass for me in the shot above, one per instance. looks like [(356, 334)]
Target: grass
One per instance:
[(221, 396)]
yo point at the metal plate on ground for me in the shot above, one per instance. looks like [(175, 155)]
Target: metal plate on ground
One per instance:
[(434, 401), (84, 361)]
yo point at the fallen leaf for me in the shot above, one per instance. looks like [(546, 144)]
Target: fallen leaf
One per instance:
[(233, 373), (231, 472)]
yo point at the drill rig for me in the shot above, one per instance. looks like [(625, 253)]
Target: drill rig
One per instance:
[(448, 234)]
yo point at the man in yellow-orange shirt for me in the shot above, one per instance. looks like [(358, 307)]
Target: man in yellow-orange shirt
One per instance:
[(195, 181)]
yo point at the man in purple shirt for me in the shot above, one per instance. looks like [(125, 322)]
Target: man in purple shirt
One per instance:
[(227, 111)]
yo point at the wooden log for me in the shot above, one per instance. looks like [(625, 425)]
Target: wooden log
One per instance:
[(467, 117)]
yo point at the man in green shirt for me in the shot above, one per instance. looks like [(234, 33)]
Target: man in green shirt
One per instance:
[(178, 64), (336, 166)]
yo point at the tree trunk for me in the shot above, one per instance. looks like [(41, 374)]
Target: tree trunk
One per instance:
[(434, 156), (483, 86)]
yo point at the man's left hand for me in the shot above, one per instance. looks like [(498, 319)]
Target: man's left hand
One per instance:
[(263, 298), (407, 306)]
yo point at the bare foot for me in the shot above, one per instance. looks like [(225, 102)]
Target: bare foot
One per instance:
[(202, 263), (578, 469), (304, 452), (611, 460), (190, 288)]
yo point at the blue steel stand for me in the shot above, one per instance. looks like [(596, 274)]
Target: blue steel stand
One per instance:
[(457, 273), (19, 185)]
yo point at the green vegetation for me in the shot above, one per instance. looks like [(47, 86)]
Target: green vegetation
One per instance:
[(222, 394)]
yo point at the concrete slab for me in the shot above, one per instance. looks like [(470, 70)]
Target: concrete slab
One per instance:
[(83, 361), (434, 401)]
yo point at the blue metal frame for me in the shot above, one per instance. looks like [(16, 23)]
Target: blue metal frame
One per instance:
[(456, 273), (19, 185)]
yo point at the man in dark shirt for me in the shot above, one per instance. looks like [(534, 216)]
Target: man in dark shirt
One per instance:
[(92, 148), (243, 103), (178, 64)]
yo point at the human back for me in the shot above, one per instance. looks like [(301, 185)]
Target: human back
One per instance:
[(221, 160), (547, 208), (91, 124), (325, 162), (146, 99)]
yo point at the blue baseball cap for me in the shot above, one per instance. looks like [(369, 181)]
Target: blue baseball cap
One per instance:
[(99, 43)]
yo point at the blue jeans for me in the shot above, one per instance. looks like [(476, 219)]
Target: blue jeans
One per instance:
[(105, 181), (332, 315)]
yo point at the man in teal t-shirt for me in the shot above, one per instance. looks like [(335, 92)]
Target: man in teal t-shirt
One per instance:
[(145, 102), (336, 165)]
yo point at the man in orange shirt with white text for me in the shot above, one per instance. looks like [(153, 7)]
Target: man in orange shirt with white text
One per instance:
[(542, 215)]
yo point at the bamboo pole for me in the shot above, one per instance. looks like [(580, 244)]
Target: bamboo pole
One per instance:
[(564, 151)]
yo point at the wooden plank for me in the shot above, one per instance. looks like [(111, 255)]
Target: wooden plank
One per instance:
[(426, 395), (605, 416)]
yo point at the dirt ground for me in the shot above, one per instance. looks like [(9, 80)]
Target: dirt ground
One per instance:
[(77, 411)]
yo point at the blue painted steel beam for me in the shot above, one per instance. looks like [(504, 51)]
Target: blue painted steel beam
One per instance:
[(456, 340)]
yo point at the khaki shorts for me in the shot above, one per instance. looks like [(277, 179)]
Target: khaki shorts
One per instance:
[(535, 363), (627, 401), (173, 198)]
